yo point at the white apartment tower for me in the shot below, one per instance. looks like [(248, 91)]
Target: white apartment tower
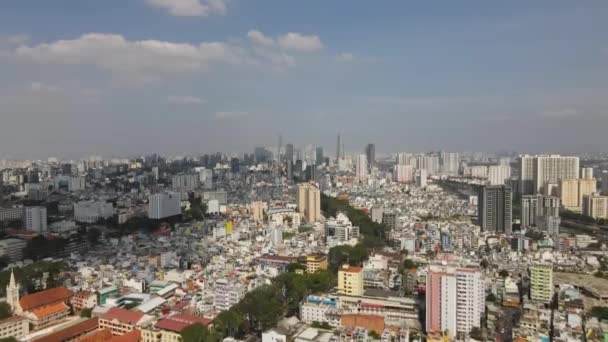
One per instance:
[(35, 219), (537, 171), (361, 168)]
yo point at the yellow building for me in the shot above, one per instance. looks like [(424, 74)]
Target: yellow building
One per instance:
[(316, 262), (541, 279), (15, 326), (257, 210), (309, 201), (595, 206), (350, 280), (572, 192)]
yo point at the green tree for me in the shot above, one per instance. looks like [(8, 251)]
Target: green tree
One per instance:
[(197, 333), (484, 264), (491, 298), (86, 313), (600, 312), (476, 334), (408, 264), (503, 273), (228, 323), (5, 310), (9, 339), (374, 335)]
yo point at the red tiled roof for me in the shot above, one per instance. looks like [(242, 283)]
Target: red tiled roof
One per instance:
[(352, 269), (123, 315), (49, 310), (46, 297), (178, 322), (71, 332), (132, 336)]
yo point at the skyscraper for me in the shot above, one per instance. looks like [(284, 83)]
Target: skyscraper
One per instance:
[(309, 202), (495, 208), (338, 148), (361, 168), (529, 210), (455, 299), (289, 153), (537, 171), (35, 219), (498, 174), (572, 191), (370, 154), (319, 155), (449, 163)]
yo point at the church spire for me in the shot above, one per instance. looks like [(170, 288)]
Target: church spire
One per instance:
[(12, 294)]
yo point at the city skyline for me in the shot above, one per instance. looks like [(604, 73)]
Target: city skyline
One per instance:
[(226, 75)]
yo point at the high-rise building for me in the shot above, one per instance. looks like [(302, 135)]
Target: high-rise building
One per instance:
[(370, 154), (421, 175), (449, 163), (185, 182), (403, 173), (309, 202), (429, 163), (541, 283), (163, 205), (587, 173), (495, 208), (319, 158), (498, 174), (35, 219), (289, 153), (595, 206), (76, 183), (404, 158), (350, 280), (338, 155), (529, 210), (361, 168), (455, 299), (536, 171), (92, 211), (572, 191), (604, 180)]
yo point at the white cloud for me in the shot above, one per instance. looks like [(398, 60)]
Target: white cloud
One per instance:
[(345, 57), (562, 113), (115, 53), (259, 38), (230, 115), (191, 8), (186, 100), (40, 87), (300, 42)]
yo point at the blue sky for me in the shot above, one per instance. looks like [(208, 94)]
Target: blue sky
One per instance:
[(119, 77)]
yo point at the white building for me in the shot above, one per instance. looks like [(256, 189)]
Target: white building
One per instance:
[(163, 205), (340, 230), (421, 175), (12, 248), (498, 174), (185, 182), (536, 171), (35, 219), (403, 173), (455, 299), (449, 163), (273, 336), (226, 294), (361, 168), (92, 211)]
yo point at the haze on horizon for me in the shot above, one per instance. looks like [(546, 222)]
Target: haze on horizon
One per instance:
[(120, 77)]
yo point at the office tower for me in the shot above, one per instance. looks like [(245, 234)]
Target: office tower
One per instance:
[(279, 149), (289, 167), (370, 154), (164, 205), (262, 155), (289, 153), (595, 206), (35, 219), (604, 180), (338, 156), (449, 163), (361, 168), (403, 173), (276, 236), (311, 173), (537, 171), (319, 159), (498, 174), (541, 283), (309, 202), (155, 172), (529, 210), (549, 205), (350, 280), (455, 299), (587, 173), (421, 175), (235, 165), (572, 191), (495, 208)]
